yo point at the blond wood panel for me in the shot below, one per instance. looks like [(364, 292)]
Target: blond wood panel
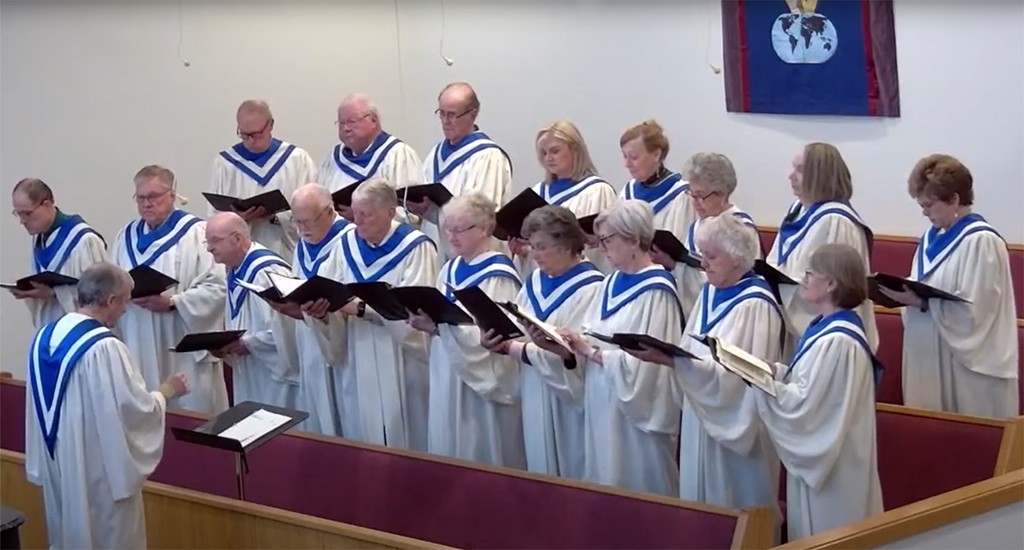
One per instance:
[(920, 517), (16, 492), (755, 529), (892, 238)]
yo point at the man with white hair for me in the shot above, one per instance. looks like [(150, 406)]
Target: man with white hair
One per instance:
[(172, 242), (258, 164), (61, 243), (367, 151), (320, 335), (265, 359), (466, 161), (93, 433), (392, 375)]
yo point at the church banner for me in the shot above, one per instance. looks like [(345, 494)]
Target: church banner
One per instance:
[(809, 57)]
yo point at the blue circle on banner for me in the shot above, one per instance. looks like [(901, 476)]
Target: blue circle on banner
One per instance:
[(804, 38)]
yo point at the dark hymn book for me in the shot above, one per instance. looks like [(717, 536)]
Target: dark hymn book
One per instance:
[(437, 193), (207, 341), (272, 201), (488, 315), (892, 282), (312, 289), (395, 303), (636, 342), (343, 196), (669, 244), (509, 218), (45, 278), (149, 282)]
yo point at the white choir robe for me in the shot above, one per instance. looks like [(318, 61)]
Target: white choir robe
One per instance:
[(802, 232), (176, 248), (69, 250), (93, 433), (270, 372), (552, 396), (822, 424), (323, 374), (387, 157), (632, 420), (586, 197), (390, 357), (237, 172), (474, 165), (474, 394), (725, 456), (673, 211), (691, 279), (962, 357)]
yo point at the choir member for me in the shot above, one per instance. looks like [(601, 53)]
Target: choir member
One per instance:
[(474, 394), (93, 433), (258, 164), (327, 386), (725, 456), (570, 180), (821, 214), (644, 148), (172, 242), (367, 151), (465, 162), (390, 360), (558, 293), (631, 419), (822, 420), (62, 243), (958, 357), (264, 360), (712, 180)]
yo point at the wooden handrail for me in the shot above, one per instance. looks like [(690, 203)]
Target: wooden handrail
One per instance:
[(892, 238), (920, 517)]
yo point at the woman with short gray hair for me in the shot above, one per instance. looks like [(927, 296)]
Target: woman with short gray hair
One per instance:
[(725, 457), (631, 420), (558, 292), (473, 406)]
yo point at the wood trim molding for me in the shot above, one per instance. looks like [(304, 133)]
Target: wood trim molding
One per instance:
[(891, 311), (892, 238), (920, 517)]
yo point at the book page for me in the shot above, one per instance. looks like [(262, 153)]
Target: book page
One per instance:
[(255, 426), (285, 285), (746, 366), (249, 286)]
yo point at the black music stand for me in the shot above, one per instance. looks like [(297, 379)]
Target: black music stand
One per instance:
[(208, 434)]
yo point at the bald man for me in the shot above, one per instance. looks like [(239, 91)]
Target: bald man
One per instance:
[(466, 161), (367, 151), (61, 243), (320, 335), (265, 359), (258, 164)]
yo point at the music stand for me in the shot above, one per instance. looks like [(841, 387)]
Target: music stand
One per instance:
[(207, 434)]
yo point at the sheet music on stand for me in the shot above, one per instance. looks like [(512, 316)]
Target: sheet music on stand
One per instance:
[(256, 425)]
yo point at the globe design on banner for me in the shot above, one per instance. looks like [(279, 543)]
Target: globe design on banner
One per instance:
[(804, 38)]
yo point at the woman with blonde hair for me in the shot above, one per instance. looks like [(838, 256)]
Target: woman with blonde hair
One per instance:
[(644, 149), (822, 214), (570, 181)]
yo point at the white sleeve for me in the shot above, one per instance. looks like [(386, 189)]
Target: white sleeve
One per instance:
[(90, 250), (201, 302)]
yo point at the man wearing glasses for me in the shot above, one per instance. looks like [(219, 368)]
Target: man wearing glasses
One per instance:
[(466, 161), (61, 243), (367, 151), (258, 164)]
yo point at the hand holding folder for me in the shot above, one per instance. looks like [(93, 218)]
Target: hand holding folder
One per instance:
[(395, 303), (46, 278), (207, 341), (149, 282), (300, 292), (437, 193), (550, 333), (509, 218), (636, 342), (925, 292), (272, 201), (669, 244), (487, 314)]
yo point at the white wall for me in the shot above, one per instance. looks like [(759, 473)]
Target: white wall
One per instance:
[(997, 529), (92, 91)]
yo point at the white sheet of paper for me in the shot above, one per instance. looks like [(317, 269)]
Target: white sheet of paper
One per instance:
[(255, 426), (249, 286), (285, 285)]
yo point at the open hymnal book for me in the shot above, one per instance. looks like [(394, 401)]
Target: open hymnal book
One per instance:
[(549, 331), (255, 426), (753, 370)]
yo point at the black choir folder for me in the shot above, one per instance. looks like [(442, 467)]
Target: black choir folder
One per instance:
[(45, 278), (298, 291), (241, 430), (343, 196), (436, 192), (272, 201), (669, 244), (892, 282), (270, 294), (628, 341), (509, 219), (149, 282), (587, 224), (394, 303), (488, 315), (207, 341)]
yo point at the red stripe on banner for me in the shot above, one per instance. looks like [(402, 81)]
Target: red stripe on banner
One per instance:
[(869, 59), (741, 22)]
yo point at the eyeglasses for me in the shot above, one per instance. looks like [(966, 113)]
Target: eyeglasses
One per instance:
[(22, 214), (451, 115), (603, 241), (256, 134), (306, 223), (703, 197), (351, 122), (218, 240), (150, 199), (458, 230)]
